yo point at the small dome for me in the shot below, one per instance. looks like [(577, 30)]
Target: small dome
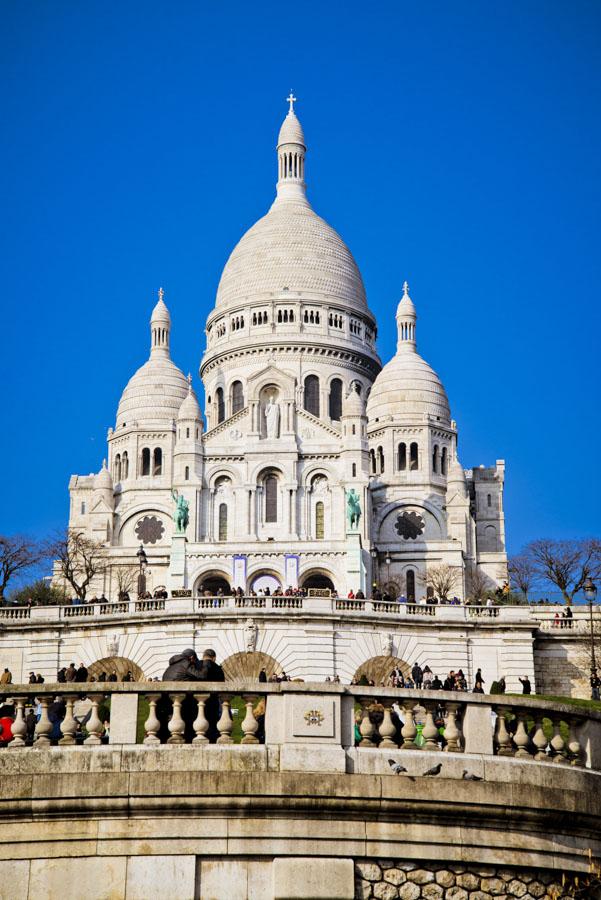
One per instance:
[(291, 131), (160, 313), (103, 480), (407, 386), (189, 408), (406, 306), (155, 392), (352, 404)]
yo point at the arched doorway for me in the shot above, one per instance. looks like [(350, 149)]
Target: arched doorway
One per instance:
[(265, 580), (378, 669), (241, 666), (115, 665), (212, 584), (318, 580)]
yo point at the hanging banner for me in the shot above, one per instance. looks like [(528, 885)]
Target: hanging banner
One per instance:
[(240, 572), (291, 571)]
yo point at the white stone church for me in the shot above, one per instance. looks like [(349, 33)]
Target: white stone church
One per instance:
[(299, 412)]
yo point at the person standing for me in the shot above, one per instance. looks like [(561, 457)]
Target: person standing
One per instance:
[(479, 679), (526, 686), (417, 675), (595, 685), (71, 673), (82, 673), (6, 677)]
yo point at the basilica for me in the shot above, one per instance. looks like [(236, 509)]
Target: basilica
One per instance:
[(300, 418)]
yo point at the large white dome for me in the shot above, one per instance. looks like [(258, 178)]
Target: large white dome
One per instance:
[(295, 249)]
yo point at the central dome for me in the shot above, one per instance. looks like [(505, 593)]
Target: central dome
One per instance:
[(291, 248)]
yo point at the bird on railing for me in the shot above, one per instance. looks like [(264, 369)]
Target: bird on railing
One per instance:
[(469, 776), (435, 770), (396, 767)]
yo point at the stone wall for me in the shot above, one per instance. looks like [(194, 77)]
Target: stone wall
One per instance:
[(387, 879), (560, 666)]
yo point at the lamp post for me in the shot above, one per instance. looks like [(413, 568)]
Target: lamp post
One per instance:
[(374, 567), (143, 560), (590, 592), (387, 560)]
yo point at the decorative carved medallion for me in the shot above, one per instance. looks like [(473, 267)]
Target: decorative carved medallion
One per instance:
[(313, 717), (235, 434), (149, 530), (410, 525)]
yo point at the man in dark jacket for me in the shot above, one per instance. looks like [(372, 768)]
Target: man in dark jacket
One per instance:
[(184, 667), (211, 671), (82, 673), (417, 675)]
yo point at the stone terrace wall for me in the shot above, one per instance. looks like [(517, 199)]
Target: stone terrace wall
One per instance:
[(387, 879), (560, 667)]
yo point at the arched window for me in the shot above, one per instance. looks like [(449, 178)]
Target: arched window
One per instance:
[(402, 457), (335, 399), (435, 459), (354, 470), (187, 473), (83, 508), (187, 432), (489, 500), (237, 397), (413, 457), (411, 585), (157, 467), (271, 498), (146, 461), (223, 521), (319, 521), (124, 466), (443, 461), (380, 460), (220, 405), (372, 459), (118, 467), (311, 398)]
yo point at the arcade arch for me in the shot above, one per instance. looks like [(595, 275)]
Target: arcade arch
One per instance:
[(115, 665), (248, 665), (378, 669)]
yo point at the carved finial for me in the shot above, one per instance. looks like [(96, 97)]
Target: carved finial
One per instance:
[(189, 380), (291, 100), (104, 463), (161, 293), (405, 289)]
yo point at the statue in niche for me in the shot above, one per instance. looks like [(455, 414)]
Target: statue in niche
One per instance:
[(272, 418), (353, 509), (250, 636), (387, 644), (181, 515)]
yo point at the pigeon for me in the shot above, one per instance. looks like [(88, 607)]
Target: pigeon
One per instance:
[(468, 776), (396, 767), (435, 770)]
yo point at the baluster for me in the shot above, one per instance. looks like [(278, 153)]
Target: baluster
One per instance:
[(574, 747), (430, 731), (558, 745), (69, 724), (201, 723), (225, 724), (409, 731), (176, 724), (520, 738), (152, 723), (94, 726), (502, 736), (19, 726), (539, 739), (387, 729), (366, 728), (43, 729), (250, 726), (451, 731)]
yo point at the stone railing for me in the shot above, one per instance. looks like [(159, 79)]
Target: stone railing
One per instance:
[(274, 604), (295, 715)]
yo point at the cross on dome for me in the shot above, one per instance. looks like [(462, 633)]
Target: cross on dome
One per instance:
[(161, 293), (291, 100), (405, 289), (189, 380)]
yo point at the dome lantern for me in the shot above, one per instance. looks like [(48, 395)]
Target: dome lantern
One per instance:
[(291, 150), (160, 328), (406, 317)]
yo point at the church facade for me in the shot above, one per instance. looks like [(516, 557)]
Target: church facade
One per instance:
[(313, 465)]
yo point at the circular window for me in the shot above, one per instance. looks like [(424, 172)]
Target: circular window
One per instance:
[(149, 530), (410, 525)]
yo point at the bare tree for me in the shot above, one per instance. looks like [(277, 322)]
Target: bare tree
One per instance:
[(477, 584), (442, 579), (80, 559), (522, 573), (17, 554), (565, 564), (126, 578)]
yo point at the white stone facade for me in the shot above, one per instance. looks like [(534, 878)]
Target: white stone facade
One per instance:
[(298, 412)]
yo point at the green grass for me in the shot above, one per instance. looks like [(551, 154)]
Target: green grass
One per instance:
[(569, 701)]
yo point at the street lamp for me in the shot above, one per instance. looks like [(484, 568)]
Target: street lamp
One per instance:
[(143, 560), (590, 592), (374, 566)]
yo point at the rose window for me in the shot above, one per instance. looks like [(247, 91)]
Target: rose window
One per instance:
[(149, 530), (410, 525)]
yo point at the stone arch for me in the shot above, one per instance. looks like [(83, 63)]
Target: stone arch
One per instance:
[(378, 668), (239, 666), (115, 665), (317, 574), (212, 578)]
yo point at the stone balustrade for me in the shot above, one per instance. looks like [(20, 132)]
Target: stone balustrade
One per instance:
[(333, 718), (282, 605)]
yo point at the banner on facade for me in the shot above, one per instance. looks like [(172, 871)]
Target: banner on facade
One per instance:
[(291, 570), (240, 572)]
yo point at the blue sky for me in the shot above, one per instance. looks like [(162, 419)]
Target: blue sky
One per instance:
[(454, 145)]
